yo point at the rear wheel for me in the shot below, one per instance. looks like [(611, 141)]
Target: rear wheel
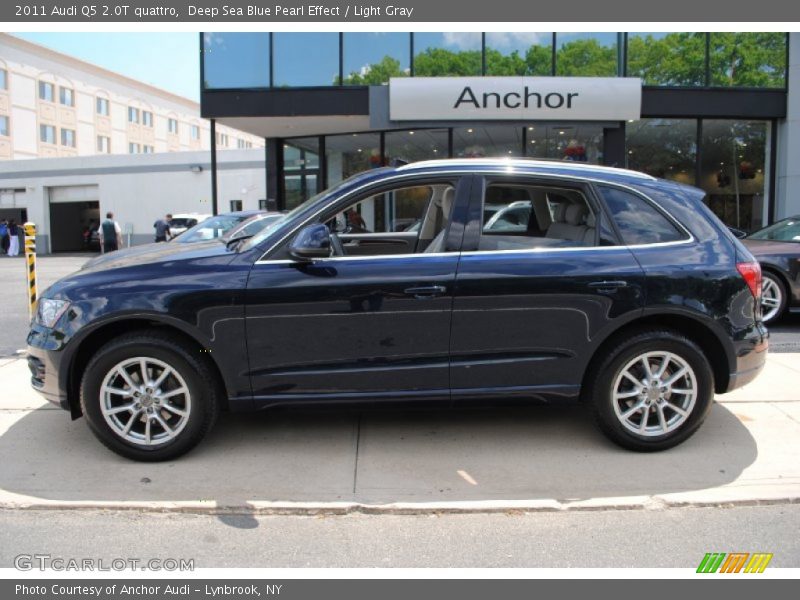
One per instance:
[(148, 396), (652, 391), (773, 297)]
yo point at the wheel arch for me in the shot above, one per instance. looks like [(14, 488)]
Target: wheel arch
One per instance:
[(94, 339), (692, 328)]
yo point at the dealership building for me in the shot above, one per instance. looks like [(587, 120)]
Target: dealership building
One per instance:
[(720, 111)]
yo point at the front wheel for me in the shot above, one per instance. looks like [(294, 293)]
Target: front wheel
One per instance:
[(148, 396), (652, 391)]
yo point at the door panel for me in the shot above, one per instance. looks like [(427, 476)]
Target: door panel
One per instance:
[(350, 326), (370, 244), (532, 319)]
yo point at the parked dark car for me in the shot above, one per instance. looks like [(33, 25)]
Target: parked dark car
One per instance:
[(623, 291), (777, 249)]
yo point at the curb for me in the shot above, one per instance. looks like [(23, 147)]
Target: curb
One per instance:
[(357, 508)]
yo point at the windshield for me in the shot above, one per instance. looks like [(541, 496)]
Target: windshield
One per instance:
[(787, 230), (183, 222), (211, 228)]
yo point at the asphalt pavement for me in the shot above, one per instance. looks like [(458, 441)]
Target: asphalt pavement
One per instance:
[(676, 538)]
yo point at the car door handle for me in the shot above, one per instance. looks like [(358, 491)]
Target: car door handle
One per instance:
[(428, 291), (608, 287)]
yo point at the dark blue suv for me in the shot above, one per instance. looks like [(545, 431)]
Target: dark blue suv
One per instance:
[(444, 280)]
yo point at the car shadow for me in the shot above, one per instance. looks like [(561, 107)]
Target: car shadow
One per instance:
[(373, 456)]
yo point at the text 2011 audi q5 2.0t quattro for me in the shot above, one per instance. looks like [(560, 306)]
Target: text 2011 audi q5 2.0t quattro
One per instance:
[(436, 280)]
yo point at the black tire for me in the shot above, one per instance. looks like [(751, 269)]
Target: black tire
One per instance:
[(183, 358), (784, 296), (621, 353)]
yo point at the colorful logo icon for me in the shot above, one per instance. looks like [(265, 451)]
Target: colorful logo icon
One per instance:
[(734, 562)]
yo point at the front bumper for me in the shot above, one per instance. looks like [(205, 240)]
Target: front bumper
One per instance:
[(45, 363)]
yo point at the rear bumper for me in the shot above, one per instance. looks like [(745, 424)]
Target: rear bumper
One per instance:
[(751, 356)]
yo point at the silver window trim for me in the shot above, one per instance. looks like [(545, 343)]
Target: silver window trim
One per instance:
[(486, 172)]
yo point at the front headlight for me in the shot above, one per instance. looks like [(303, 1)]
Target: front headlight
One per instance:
[(49, 311)]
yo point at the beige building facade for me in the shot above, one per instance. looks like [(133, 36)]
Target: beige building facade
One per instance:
[(54, 105)]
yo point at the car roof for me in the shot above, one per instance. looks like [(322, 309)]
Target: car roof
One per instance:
[(529, 166)]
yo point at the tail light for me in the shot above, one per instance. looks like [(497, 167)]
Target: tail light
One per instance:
[(751, 273)]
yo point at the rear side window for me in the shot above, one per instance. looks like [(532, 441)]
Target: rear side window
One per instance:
[(637, 220)]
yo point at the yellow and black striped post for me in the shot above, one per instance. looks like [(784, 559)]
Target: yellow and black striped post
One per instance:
[(30, 260)]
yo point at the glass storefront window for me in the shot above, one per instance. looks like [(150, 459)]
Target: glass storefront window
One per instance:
[(579, 142), (586, 54), (348, 154), (733, 170), (447, 54), (414, 145), (677, 59), (665, 148), (487, 142), (525, 53), (305, 59), (748, 59), (300, 170), (372, 58), (235, 60)]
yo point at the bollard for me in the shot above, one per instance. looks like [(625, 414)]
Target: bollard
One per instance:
[(30, 260)]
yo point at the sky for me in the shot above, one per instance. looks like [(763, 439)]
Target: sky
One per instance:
[(166, 60)]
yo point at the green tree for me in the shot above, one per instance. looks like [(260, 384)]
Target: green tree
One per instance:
[(376, 73), (586, 57), (748, 59), (674, 59), (439, 62)]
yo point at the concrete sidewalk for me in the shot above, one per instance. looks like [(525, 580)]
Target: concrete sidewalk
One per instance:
[(390, 460)]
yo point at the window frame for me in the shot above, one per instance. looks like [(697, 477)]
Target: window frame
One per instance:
[(473, 236), (170, 122), (132, 110), (4, 79), (63, 92), (64, 134), (45, 126), (98, 100), (43, 85), (688, 237), (8, 126), (277, 251), (147, 118)]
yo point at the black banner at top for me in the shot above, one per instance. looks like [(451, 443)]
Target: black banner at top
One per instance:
[(411, 11)]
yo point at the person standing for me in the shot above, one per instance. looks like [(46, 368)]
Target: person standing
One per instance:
[(13, 242), (163, 232), (110, 234), (3, 236)]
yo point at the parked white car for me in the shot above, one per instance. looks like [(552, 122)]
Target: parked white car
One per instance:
[(182, 222)]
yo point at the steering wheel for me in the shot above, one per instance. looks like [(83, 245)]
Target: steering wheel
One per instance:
[(336, 245)]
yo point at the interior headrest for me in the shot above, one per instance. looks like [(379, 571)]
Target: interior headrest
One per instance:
[(576, 214), (560, 213), (591, 220)]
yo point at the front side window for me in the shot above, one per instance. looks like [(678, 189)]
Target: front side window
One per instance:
[(519, 217), (787, 230), (47, 91), (638, 221), (404, 220)]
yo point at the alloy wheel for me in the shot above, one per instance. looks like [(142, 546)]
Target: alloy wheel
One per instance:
[(145, 401), (771, 298), (654, 393)]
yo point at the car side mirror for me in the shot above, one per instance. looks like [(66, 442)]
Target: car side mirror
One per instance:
[(313, 241)]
